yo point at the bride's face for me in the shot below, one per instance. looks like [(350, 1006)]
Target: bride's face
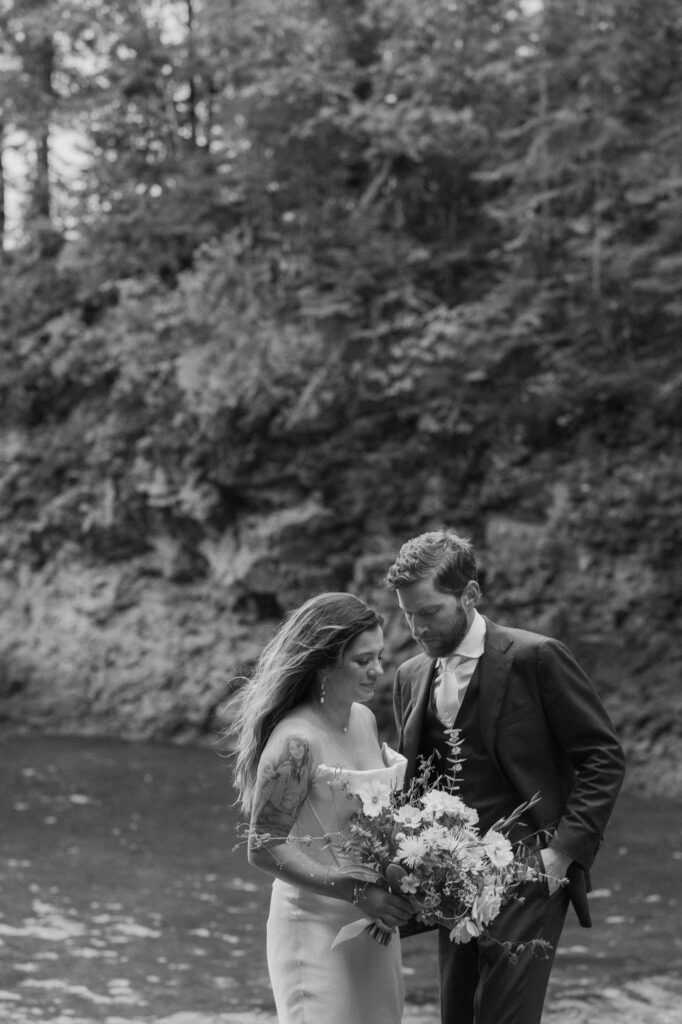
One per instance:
[(355, 677)]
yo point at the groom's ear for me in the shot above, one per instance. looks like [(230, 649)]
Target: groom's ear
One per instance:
[(471, 594)]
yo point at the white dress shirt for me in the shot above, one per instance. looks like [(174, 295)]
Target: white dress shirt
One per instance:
[(455, 671)]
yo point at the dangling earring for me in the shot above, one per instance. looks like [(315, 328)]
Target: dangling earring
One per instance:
[(322, 689)]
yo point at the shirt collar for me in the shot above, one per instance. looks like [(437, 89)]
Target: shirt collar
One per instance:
[(473, 643)]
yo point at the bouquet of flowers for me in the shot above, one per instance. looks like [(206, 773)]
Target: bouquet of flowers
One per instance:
[(425, 844)]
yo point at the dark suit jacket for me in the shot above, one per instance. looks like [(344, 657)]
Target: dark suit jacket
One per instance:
[(546, 730)]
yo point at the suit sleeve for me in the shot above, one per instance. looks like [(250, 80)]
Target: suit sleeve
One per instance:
[(583, 730), (398, 710)]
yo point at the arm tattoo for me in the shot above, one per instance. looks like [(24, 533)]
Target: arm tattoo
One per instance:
[(281, 788)]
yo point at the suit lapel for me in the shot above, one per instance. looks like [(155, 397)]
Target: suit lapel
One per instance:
[(494, 669), (421, 688)]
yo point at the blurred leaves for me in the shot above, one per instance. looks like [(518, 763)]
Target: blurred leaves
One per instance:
[(417, 259)]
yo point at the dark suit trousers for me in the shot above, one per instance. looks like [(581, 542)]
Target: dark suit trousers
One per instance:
[(482, 983)]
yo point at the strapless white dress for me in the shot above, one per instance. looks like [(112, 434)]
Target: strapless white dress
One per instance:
[(359, 981)]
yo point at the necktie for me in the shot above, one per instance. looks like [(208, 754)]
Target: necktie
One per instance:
[(450, 692)]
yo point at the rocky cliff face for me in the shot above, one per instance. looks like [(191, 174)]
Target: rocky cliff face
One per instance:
[(110, 651), (127, 649)]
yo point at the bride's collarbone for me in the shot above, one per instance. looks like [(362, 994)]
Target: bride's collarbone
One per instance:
[(350, 750), (352, 745)]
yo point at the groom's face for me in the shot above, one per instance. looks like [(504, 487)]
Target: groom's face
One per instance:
[(438, 621)]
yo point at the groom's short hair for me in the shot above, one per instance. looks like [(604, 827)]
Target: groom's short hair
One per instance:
[(441, 554)]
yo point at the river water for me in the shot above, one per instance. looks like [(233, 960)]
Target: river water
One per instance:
[(126, 897)]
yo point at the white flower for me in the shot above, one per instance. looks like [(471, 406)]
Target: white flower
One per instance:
[(468, 814), (498, 849), (375, 796), (408, 816), (412, 850), (439, 838), (437, 802), (486, 906), (464, 930), (465, 845), (409, 883)]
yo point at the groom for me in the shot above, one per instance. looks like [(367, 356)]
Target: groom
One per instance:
[(530, 721)]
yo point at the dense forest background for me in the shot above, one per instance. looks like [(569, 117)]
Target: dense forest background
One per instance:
[(285, 282)]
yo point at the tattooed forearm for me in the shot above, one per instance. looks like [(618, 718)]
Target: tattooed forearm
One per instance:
[(281, 788)]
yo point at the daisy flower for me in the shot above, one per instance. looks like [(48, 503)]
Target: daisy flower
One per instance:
[(408, 816)]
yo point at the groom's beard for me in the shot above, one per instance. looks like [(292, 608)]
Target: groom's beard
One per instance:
[(445, 642)]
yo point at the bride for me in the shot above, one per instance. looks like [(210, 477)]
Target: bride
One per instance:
[(305, 743)]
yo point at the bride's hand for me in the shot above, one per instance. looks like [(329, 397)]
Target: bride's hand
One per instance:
[(377, 902)]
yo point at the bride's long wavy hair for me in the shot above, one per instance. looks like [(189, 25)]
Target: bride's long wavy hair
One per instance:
[(312, 639)]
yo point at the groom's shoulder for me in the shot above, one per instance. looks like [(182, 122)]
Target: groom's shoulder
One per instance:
[(413, 666), (504, 636)]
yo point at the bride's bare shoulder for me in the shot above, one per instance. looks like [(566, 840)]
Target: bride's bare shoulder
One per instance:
[(299, 727)]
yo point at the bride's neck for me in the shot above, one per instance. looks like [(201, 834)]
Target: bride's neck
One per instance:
[(335, 716)]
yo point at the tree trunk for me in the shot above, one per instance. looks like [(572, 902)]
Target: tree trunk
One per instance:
[(2, 191), (43, 54)]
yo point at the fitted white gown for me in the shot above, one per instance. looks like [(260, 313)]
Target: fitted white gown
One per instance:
[(359, 981)]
